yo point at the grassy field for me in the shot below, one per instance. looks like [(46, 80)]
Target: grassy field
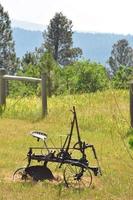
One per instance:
[(103, 120)]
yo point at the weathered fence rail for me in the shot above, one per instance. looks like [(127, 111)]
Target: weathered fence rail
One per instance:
[(21, 78), (4, 78)]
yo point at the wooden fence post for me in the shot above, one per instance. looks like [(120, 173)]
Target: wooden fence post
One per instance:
[(2, 87), (44, 95), (131, 104)]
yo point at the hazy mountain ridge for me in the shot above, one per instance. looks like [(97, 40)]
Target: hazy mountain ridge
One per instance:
[(26, 40), (96, 46)]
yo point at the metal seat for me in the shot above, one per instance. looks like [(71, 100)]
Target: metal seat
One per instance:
[(39, 135)]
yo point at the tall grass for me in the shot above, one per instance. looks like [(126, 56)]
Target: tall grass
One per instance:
[(28, 108), (103, 120)]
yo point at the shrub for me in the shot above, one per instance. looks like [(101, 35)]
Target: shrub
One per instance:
[(122, 77)]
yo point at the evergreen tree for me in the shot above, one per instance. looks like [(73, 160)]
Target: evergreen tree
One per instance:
[(28, 58), (121, 55), (58, 40), (7, 51)]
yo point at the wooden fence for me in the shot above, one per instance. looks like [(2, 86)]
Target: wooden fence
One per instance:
[(131, 104), (4, 78)]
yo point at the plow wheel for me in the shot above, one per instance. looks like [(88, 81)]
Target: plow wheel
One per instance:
[(77, 177), (20, 174)]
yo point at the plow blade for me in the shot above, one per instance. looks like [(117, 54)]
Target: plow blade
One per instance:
[(39, 173)]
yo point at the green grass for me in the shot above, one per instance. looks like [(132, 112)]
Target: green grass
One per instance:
[(103, 120)]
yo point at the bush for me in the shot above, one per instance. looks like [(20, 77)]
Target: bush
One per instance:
[(122, 77), (131, 142), (82, 77), (91, 77)]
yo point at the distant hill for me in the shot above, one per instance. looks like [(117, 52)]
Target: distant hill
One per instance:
[(96, 46), (26, 40)]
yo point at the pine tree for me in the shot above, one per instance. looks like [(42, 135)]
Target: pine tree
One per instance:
[(121, 55), (7, 49), (58, 40)]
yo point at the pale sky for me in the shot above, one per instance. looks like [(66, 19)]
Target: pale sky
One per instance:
[(114, 16)]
